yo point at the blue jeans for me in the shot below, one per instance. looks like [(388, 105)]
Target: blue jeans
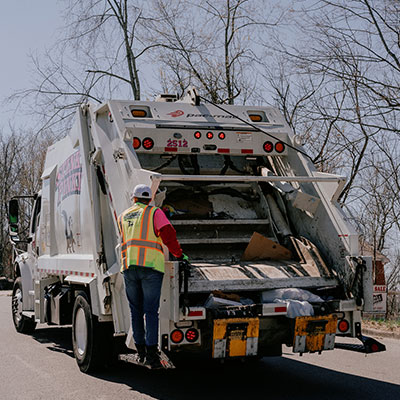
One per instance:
[(143, 289)]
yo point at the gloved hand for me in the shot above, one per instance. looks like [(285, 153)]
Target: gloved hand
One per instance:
[(183, 257)]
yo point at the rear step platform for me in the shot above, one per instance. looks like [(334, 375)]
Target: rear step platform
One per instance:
[(132, 359), (369, 345)]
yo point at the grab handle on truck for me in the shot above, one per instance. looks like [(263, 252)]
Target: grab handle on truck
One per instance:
[(184, 274)]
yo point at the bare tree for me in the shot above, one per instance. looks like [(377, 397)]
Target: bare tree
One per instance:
[(214, 50), (97, 57), (338, 86), (21, 164)]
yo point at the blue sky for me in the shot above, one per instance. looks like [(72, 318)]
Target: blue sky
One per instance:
[(26, 26)]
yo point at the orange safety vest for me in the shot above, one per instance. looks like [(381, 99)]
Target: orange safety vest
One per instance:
[(140, 245)]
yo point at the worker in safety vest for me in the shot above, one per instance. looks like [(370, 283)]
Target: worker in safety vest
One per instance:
[(144, 229)]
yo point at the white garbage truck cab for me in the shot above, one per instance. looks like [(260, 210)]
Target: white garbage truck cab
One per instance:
[(273, 258)]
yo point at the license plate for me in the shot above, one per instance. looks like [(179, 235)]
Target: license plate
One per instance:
[(235, 337), (314, 333)]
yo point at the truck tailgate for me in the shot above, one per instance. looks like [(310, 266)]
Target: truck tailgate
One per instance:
[(245, 276)]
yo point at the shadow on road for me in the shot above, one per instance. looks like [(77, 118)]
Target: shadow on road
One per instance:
[(272, 378), (55, 338)]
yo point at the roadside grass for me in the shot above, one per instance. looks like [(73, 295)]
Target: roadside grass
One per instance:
[(381, 323)]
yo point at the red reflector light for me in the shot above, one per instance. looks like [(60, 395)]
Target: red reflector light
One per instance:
[(343, 325), (170, 149), (280, 309), (210, 135), (177, 336), (197, 313), (279, 147), (268, 147), (136, 143), (374, 347), (221, 135), (192, 335), (197, 135), (247, 151), (223, 150), (148, 143)]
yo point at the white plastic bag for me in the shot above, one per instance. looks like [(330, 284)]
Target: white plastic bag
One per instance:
[(268, 296), (296, 308)]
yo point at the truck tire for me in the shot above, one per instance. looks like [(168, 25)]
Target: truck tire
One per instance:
[(91, 340), (22, 323)]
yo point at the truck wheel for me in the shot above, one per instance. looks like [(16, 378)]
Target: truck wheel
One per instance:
[(22, 323), (90, 339)]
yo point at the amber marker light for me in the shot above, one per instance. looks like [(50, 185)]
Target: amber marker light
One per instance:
[(255, 117), (139, 113)]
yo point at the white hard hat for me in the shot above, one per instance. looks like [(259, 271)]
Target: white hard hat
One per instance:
[(141, 192)]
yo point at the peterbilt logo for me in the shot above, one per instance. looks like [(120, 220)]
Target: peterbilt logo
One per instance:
[(176, 113), (179, 113)]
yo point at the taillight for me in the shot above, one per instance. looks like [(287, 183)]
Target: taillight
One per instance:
[(343, 325), (192, 335), (279, 147), (210, 135), (197, 135), (221, 135), (148, 143), (176, 336), (136, 143), (268, 147)]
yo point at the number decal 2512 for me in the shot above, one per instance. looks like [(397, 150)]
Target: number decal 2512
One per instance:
[(177, 143)]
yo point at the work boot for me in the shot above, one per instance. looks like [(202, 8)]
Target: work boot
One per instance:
[(153, 357), (141, 353)]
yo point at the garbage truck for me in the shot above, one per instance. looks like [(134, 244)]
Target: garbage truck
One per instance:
[(274, 260)]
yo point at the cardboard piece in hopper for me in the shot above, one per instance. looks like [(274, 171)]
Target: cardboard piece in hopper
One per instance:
[(261, 248)]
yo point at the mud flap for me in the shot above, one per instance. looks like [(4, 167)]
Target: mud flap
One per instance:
[(235, 337), (313, 334)]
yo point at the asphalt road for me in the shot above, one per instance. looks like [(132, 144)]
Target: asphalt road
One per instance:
[(41, 366)]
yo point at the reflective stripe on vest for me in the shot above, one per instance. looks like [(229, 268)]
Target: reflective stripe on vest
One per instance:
[(140, 244)]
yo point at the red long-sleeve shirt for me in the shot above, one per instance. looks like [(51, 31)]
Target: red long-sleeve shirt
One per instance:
[(164, 229), (168, 236)]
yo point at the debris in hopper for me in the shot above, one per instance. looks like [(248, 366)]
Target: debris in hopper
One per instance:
[(215, 302), (268, 296), (296, 300), (262, 248), (235, 207), (221, 299), (297, 308), (227, 296), (191, 204)]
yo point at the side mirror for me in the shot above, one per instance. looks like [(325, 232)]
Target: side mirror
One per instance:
[(13, 218)]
